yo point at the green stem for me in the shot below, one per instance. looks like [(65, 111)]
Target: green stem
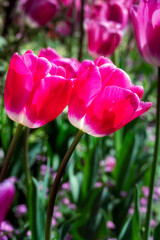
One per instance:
[(57, 182), (26, 162), (80, 52), (10, 152), (154, 164)]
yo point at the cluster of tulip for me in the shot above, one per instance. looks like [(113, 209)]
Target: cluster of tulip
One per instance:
[(100, 96)]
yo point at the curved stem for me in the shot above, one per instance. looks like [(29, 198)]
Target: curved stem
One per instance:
[(10, 152), (57, 182), (26, 163), (154, 164)]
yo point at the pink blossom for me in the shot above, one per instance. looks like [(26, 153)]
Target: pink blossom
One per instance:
[(7, 192), (5, 226), (72, 206), (103, 98), (123, 194), (110, 164), (98, 184), (21, 210), (57, 214), (143, 209), (54, 222), (66, 186), (145, 191), (66, 201), (41, 11), (145, 18), (104, 24), (34, 90), (143, 201), (110, 225), (131, 210), (157, 190), (152, 223)]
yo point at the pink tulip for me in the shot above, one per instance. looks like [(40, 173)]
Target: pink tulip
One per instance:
[(7, 192), (102, 37), (71, 65), (41, 11), (104, 24), (146, 22), (34, 89), (104, 99), (70, 15)]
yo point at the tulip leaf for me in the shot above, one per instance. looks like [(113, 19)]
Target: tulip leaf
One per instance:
[(157, 232), (136, 217)]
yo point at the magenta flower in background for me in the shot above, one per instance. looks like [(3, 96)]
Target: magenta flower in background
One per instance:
[(7, 192), (21, 210), (104, 99), (110, 225), (70, 17), (71, 65), (34, 89), (102, 37), (104, 25), (146, 22), (41, 11), (110, 163)]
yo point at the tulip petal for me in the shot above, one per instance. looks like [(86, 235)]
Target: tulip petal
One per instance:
[(49, 53), (47, 101), (39, 67), (112, 76), (153, 36), (18, 86), (7, 192), (109, 110), (87, 86), (143, 107), (102, 60)]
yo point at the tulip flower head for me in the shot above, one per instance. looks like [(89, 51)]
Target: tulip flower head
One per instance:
[(41, 11), (7, 192), (104, 24), (104, 99), (146, 22), (34, 89)]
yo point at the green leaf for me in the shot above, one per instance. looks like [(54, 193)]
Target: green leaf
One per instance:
[(125, 233), (157, 232), (136, 217)]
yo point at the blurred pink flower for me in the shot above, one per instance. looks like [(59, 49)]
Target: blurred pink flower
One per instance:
[(104, 25), (68, 237), (110, 225), (98, 184), (41, 11), (54, 222), (143, 201), (153, 223), (145, 18), (110, 163), (145, 191), (123, 194), (21, 210), (66, 186), (5, 226), (143, 209), (7, 192)]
